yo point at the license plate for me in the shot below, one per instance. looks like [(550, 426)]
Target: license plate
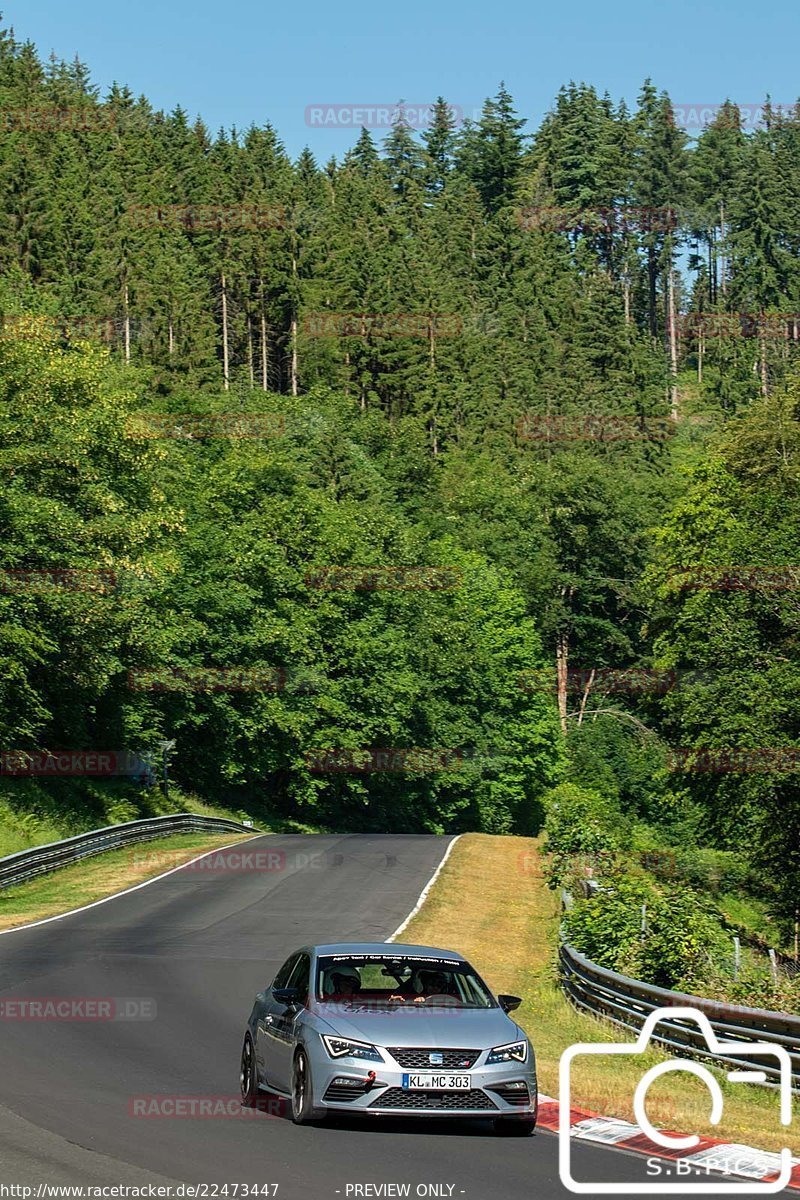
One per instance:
[(437, 1083)]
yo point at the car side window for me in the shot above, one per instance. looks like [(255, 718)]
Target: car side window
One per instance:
[(300, 977), (282, 978)]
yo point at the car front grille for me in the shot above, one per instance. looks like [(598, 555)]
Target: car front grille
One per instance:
[(519, 1096), (418, 1058), (400, 1098), (336, 1094)]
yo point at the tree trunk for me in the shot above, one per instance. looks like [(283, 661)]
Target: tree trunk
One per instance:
[(673, 349), (294, 353), (264, 360), (722, 263), (701, 345), (764, 374), (171, 338), (585, 697), (562, 659), (626, 298), (294, 324), (250, 353), (226, 380), (127, 327), (362, 393), (652, 272)]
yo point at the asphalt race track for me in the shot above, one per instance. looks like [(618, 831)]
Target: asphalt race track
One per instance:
[(191, 950)]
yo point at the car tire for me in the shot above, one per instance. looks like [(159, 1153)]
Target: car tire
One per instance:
[(303, 1110), (248, 1074)]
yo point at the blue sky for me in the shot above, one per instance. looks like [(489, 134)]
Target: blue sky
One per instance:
[(248, 61)]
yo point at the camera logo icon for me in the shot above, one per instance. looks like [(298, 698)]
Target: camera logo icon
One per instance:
[(670, 1142)]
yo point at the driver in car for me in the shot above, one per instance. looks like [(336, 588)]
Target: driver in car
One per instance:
[(427, 984), (344, 981)]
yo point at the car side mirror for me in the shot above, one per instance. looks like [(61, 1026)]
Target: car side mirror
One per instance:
[(509, 1003), (286, 995)]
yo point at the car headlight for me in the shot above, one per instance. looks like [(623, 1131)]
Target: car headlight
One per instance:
[(339, 1047), (513, 1052)]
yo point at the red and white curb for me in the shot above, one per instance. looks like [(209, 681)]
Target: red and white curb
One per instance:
[(728, 1158)]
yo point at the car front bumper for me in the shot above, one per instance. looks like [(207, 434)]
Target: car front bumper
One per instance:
[(490, 1095)]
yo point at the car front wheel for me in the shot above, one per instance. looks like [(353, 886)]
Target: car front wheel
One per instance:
[(248, 1074), (303, 1110)]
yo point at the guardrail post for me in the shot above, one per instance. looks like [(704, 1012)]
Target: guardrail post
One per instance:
[(773, 962)]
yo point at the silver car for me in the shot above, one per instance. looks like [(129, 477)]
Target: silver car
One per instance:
[(384, 1030)]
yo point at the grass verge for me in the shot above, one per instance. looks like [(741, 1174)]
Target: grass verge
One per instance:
[(110, 872), (492, 904)]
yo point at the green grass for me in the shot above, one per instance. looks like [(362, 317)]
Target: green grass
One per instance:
[(107, 873), (751, 915), (492, 904), (21, 831), (34, 812)]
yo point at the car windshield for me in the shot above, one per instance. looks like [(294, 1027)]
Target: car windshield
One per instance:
[(381, 980)]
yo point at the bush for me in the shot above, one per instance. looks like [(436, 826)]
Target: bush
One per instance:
[(705, 869), (584, 833), (755, 989), (683, 934)]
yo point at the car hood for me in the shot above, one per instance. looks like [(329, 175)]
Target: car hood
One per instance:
[(476, 1029)]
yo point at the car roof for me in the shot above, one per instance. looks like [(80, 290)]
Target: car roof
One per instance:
[(398, 948)]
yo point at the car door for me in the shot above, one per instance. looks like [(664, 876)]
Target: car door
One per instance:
[(284, 1026), (270, 1011)]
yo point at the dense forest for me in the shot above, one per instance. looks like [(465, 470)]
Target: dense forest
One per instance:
[(534, 393)]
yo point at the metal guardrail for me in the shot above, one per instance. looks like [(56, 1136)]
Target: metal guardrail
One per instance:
[(27, 864), (627, 1002)]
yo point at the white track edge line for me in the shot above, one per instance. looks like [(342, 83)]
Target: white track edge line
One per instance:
[(624, 1148), (126, 891), (424, 893)]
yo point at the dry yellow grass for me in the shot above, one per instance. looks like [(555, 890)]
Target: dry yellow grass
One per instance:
[(492, 904), (96, 878)]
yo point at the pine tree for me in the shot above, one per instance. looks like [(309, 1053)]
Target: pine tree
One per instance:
[(403, 158), (491, 152), (715, 169), (440, 142)]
